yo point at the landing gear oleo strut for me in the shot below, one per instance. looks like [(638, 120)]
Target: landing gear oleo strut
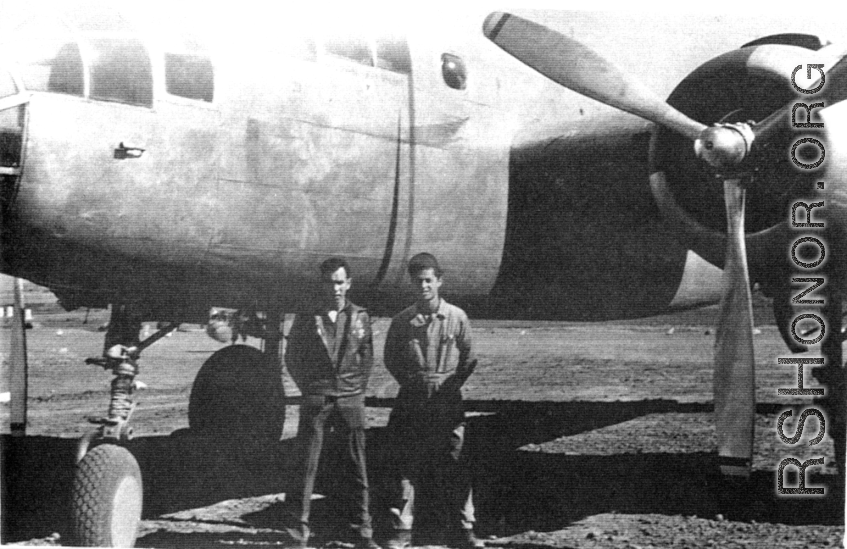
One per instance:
[(107, 492)]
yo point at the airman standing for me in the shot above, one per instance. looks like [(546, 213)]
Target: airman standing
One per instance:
[(428, 351), (330, 356)]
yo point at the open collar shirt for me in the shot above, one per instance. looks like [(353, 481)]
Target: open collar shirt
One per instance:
[(419, 343)]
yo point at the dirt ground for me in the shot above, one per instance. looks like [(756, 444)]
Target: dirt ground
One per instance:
[(583, 435)]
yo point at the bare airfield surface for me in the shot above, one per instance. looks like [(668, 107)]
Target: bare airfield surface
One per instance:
[(584, 436)]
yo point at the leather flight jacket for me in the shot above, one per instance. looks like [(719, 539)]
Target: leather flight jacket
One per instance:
[(323, 365)]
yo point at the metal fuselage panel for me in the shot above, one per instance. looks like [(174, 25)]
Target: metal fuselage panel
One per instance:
[(309, 167), (337, 158), (150, 208), (294, 161)]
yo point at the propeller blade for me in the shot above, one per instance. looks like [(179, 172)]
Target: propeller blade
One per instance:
[(783, 314), (734, 384), (779, 121), (579, 68)]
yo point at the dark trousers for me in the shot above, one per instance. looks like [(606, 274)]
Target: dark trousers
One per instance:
[(428, 447), (314, 413)]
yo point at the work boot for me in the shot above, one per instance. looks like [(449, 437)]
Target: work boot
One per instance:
[(399, 540), (466, 539), (294, 543), (298, 537)]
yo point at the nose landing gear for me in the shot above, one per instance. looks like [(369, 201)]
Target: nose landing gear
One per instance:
[(107, 494), (107, 498)]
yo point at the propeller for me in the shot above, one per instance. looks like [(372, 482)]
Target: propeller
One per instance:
[(777, 122), (734, 373), (579, 68), (724, 147)]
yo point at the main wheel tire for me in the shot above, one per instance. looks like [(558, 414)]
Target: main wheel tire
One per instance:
[(238, 393), (107, 498)]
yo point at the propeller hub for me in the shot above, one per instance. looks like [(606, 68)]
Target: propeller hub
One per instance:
[(724, 145)]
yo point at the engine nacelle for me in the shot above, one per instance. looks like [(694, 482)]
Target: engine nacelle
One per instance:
[(743, 85), (748, 85)]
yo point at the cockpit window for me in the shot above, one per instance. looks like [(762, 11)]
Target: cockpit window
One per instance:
[(356, 48), (66, 73), (54, 66), (120, 71), (7, 84), (188, 69), (189, 76), (10, 123), (77, 53)]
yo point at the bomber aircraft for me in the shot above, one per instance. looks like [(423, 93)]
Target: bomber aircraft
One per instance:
[(163, 164)]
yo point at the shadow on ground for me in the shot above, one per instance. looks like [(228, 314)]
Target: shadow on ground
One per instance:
[(516, 490)]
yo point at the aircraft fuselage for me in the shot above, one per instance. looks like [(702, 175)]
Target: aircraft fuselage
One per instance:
[(185, 176)]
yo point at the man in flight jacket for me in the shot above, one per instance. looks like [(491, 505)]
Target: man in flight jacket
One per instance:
[(329, 356)]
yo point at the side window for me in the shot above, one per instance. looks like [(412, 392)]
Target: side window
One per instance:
[(355, 48), (51, 66), (189, 76), (453, 71), (66, 73), (47, 53), (393, 54), (120, 71)]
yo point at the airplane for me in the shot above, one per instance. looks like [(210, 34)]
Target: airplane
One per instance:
[(166, 165)]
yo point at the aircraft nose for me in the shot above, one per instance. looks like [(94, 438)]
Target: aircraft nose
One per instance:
[(12, 105), (13, 102)]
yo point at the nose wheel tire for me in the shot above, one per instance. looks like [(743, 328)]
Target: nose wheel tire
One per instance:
[(107, 498)]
